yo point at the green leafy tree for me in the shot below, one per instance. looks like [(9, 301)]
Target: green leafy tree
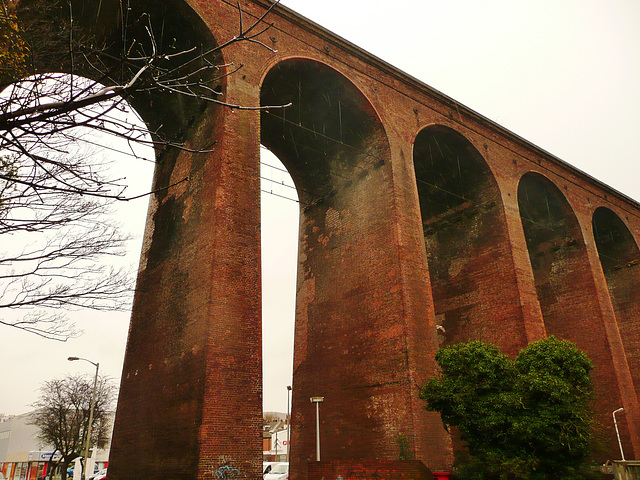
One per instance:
[(527, 418)]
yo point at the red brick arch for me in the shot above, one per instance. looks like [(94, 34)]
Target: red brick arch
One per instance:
[(567, 286), (190, 399), (349, 331), (620, 259), (467, 242)]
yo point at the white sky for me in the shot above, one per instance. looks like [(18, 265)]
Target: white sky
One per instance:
[(563, 74)]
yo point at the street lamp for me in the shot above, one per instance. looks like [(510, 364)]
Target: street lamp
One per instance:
[(288, 423), (615, 424), (317, 401), (93, 402)]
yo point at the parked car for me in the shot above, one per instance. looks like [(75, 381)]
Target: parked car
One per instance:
[(279, 471), (99, 475), (95, 472), (267, 466)]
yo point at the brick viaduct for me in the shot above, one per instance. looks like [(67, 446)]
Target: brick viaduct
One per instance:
[(416, 212)]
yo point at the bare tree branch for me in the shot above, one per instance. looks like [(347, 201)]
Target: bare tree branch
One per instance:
[(62, 414), (54, 196)]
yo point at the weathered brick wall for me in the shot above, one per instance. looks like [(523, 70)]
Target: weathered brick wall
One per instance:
[(185, 407), (367, 295), (566, 286), (620, 258), (190, 400), (467, 244), (376, 273), (372, 469)]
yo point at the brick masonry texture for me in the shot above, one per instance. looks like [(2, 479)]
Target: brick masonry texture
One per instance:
[(422, 224), (372, 469)]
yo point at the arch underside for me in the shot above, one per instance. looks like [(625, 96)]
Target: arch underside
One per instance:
[(467, 242), (110, 43), (620, 260), (348, 313)]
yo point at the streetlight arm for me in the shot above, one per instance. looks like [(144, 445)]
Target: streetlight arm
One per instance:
[(71, 359)]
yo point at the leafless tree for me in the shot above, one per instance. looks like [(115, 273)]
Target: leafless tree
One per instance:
[(49, 187), (58, 255), (62, 415)]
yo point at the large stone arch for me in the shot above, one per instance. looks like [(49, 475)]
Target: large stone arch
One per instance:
[(348, 305), (566, 287), (467, 242), (620, 260), (329, 134)]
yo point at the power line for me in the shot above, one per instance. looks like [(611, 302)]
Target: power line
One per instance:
[(281, 196)]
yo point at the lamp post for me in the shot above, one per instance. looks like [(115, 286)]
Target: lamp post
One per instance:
[(93, 402), (615, 424), (317, 401), (288, 423)]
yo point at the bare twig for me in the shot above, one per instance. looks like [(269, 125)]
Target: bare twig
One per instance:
[(56, 197)]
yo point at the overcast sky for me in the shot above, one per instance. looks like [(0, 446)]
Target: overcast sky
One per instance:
[(563, 74)]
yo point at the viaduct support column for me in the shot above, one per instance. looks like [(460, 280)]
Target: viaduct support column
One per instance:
[(191, 393)]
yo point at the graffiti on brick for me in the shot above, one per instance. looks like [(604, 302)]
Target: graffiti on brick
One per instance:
[(362, 475), (226, 472)]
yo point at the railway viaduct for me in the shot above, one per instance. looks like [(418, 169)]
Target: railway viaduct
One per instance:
[(422, 223)]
